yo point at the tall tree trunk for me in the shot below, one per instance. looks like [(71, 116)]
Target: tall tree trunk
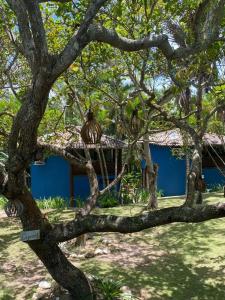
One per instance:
[(22, 145), (153, 203), (188, 168), (195, 174), (151, 174)]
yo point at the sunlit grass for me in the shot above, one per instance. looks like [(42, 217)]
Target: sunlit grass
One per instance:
[(177, 261)]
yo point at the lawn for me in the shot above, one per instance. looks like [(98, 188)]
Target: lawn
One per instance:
[(178, 261)]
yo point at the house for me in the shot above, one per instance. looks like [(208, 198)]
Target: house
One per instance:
[(56, 177), (166, 153)]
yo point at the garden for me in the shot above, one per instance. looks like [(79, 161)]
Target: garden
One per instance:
[(178, 261)]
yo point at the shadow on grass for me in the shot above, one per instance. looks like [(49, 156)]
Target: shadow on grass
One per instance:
[(167, 278)]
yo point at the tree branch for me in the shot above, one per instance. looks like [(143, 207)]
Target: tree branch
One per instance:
[(59, 1), (79, 40), (62, 152), (19, 8), (110, 223), (38, 30), (101, 34)]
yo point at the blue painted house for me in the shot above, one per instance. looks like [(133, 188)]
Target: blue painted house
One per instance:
[(56, 177), (165, 148)]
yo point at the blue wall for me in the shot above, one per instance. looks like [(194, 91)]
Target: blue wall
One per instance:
[(171, 173), (82, 187), (51, 179), (212, 177)]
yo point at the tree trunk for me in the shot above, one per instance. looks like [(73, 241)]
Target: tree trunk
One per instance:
[(151, 177), (81, 241), (187, 157), (66, 274), (22, 146), (153, 204), (195, 174)]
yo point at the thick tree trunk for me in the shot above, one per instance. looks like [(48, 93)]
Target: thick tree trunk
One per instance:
[(22, 146), (66, 274)]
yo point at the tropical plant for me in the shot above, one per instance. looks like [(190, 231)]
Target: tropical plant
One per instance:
[(107, 200), (52, 203), (107, 289)]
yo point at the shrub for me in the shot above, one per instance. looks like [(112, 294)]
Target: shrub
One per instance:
[(55, 203), (160, 193), (216, 188), (107, 289), (3, 202), (108, 200), (130, 185)]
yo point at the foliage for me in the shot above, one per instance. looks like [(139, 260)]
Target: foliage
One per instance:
[(107, 289), (3, 202), (130, 187), (79, 202), (54, 203), (5, 295), (160, 193), (3, 157), (107, 200), (216, 188)]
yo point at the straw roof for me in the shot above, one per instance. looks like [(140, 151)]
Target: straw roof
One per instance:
[(175, 138), (71, 139)]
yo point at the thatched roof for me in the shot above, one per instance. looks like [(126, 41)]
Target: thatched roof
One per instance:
[(71, 139), (175, 138)]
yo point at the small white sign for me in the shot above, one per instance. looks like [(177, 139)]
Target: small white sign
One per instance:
[(30, 235)]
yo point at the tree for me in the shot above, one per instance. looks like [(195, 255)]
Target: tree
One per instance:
[(46, 64)]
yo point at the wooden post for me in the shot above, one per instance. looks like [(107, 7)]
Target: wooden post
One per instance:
[(72, 200)]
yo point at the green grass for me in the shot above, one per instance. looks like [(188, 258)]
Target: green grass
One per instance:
[(2, 202), (177, 261)]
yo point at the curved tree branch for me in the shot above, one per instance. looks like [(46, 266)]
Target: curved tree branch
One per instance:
[(110, 223), (79, 40)]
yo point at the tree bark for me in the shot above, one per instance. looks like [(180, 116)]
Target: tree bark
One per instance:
[(151, 179), (195, 173), (66, 274), (22, 146)]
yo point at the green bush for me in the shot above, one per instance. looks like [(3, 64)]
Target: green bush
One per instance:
[(108, 200), (216, 188), (107, 289), (130, 187), (160, 193), (54, 203), (3, 202)]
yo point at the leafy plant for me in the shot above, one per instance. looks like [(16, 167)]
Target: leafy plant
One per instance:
[(143, 196), (216, 188), (3, 157), (160, 193), (3, 202), (107, 289), (130, 184), (108, 200), (79, 202), (55, 203)]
